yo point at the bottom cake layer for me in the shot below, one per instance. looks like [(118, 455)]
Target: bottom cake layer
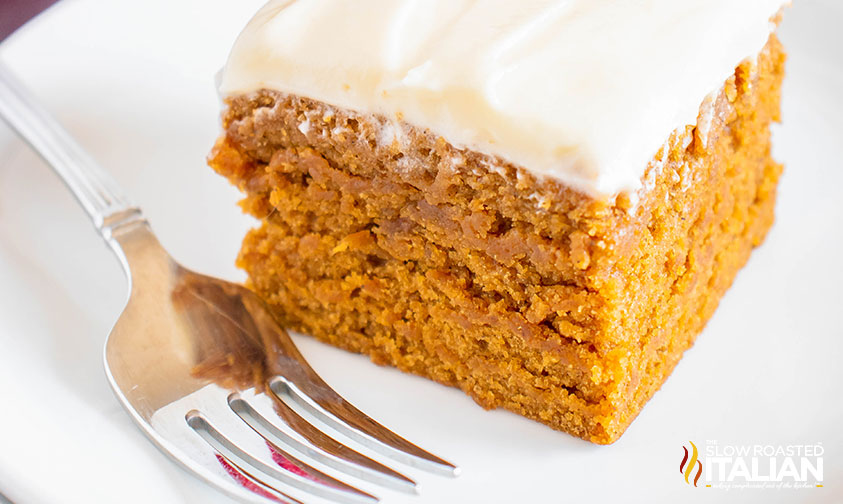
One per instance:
[(368, 260), (422, 323)]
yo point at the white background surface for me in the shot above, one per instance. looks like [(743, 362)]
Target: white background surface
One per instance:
[(133, 81)]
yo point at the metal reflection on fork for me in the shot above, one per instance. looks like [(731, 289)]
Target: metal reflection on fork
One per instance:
[(202, 366)]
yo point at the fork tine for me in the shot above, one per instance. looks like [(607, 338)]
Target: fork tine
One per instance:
[(332, 489), (250, 483), (315, 396), (329, 451), (294, 378)]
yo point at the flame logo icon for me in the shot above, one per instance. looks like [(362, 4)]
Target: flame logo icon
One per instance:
[(687, 466)]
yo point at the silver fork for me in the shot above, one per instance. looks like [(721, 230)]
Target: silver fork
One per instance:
[(202, 366)]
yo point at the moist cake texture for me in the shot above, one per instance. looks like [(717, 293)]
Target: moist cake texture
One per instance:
[(385, 238)]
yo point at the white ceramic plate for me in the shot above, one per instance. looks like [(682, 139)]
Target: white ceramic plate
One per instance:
[(133, 81)]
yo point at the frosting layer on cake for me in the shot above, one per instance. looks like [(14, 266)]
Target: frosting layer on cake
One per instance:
[(584, 91)]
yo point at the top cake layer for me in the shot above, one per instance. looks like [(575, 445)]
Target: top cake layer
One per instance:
[(585, 91)]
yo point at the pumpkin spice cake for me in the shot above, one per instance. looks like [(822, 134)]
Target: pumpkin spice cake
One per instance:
[(540, 202)]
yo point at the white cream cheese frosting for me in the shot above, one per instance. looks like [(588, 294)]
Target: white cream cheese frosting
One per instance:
[(585, 91)]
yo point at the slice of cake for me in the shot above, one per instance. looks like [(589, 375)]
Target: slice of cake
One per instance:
[(538, 202)]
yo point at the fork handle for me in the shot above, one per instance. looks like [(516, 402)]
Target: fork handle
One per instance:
[(95, 189)]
